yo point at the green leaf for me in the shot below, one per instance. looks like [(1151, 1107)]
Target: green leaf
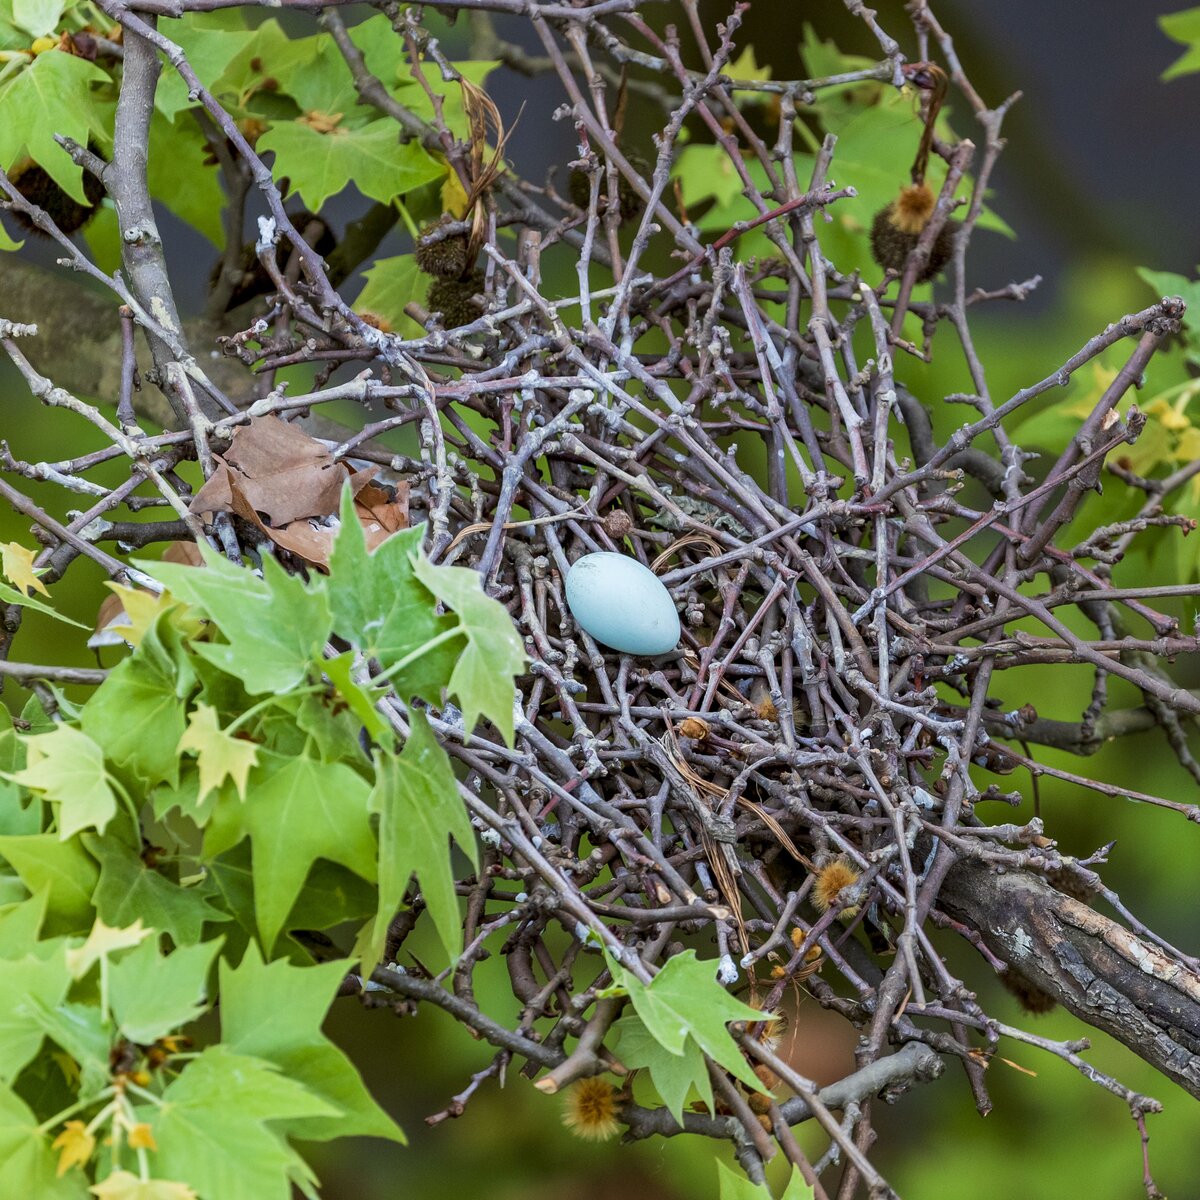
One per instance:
[(179, 177), (64, 869), (20, 924), (299, 810), (391, 284), (220, 755), (68, 768), (80, 1030), (152, 993), (28, 1167), (340, 672), (212, 49), (685, 1002), (494, 654), (52, 95), (274, 1012), (38, 17), (382, 608), (675, 1076), (38, 977), (135, 715), (10, 595), (212, 1129), (129, 889), (321, 165), (419, 810), (735, 1186), (1183, 27), (276, 625)]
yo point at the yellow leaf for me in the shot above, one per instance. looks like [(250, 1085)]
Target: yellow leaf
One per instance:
[(121, 1185), (745, 66), (454, 195), (141, 1137), (76, 1145), (219, 754), (68, 1066), (17, 564), (42, 44), (101, 942)]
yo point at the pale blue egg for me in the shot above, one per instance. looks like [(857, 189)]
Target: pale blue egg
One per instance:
[(622, 604)]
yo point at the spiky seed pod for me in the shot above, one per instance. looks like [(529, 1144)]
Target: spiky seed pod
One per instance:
[(898, 227), (36, 185), (444, 257), (832, 879), (618, 524), (629, 203), (591, 1108), (453, 299)]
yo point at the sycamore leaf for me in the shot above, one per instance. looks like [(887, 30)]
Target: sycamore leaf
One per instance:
[(103, 942), (37, 17), (38, 977), (52, 95), (68, 768), (181, 175), (220, 755), (321, 165), (130, 888), (301, 810), (75, 1146), (391, 284), (419, 810), (1183, 27), (81, 1032), (381, 607), (215, 1127), (685, 1002), (735, 1186), (152, 993), (361, 700), (62, 870), (17, 564), (27, 1164), (136, 715), (274, 1011), (276, 626), (122, 1185), (674, 1076), (483, 674)]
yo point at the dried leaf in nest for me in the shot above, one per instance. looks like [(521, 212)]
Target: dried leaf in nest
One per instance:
[(694, 727), (482, 116), (123, 617), (289, 486)]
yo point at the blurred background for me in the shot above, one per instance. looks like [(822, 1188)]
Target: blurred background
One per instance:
[(1100, 177)]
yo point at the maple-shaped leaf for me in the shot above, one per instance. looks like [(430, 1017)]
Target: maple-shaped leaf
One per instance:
[(67, 767), (371, 157), (274, 1011), (62, 871), (103, 942), (74, 1145), (674, 1076), (219, 755), (419, 809), (28, 1167), (39, 976), (181, 174), (137, 714), (151, 993), (123, 1185), (17, 564), (276, 626), (130, 888), (391, 284), (684, 1001), (82, 1033), (733, 1185), (53, 94), (300, 810), (381, 607), (360, 699), (494, 653), (213, 45), (216, 1127)]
